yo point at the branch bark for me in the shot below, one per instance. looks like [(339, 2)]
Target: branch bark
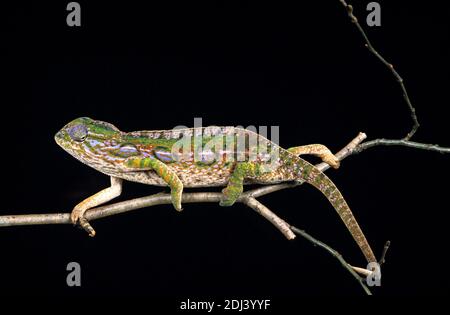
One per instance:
[(248, 198)]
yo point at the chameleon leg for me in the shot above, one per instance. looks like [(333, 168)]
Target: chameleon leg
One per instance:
[(165, 172), (318, 150), (235, 185), (105, 195)]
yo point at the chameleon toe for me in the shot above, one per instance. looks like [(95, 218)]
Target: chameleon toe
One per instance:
[(226, 203), (84, 223)]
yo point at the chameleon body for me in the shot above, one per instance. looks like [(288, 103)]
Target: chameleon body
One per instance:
[(196, 157)]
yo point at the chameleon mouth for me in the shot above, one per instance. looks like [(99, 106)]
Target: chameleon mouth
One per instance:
[(60, 138)]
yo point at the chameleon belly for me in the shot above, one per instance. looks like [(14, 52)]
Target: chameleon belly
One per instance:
[(189, 176)]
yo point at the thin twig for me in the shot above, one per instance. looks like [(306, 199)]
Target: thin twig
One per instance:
[(335, 254), (383, 254), (362, 271), (405, 143), (270, 216), (389, 65), (391, 142)]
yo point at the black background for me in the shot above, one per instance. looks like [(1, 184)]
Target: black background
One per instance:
[(301, 67)]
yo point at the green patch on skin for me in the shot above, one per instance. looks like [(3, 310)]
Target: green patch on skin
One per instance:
[(306, 170), (101, 130), (144, 140), (235, 184), (95, 127), (201, 164)]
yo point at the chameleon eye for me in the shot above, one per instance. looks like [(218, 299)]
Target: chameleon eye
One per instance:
[(78, 133)]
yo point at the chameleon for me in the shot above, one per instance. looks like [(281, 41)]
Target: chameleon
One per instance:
[(228, 157)]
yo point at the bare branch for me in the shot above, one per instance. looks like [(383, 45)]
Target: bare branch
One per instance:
[(352, 270), (390, 142), (402, 142), (362, 271), (108, 210), (270, 216), (389, 65), (383, 254)]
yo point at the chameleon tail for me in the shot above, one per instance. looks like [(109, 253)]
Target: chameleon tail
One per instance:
[(315, 177)]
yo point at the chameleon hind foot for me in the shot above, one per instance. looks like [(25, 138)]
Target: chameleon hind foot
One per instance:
[(230, 195), (235, 185), (105, 195), (318, 150)]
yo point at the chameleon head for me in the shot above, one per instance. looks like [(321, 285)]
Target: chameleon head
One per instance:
[(87, 139)]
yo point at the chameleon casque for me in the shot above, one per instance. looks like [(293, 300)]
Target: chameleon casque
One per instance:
[(157, 158)]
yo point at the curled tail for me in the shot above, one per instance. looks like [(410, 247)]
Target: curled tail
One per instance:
[(307, 172)]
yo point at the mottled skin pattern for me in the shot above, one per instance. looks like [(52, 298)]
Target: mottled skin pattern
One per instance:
[(156, 158)]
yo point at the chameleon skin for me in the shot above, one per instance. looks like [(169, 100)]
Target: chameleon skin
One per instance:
[(153, 158)]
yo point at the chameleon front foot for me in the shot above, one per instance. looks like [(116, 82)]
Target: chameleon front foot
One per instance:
[(84, 223), (105, 195), (78, 219), (331, 160), (229, 196)]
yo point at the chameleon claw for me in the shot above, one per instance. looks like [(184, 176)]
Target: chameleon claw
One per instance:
[(84, 223), (74, 217), (176, 199), (226, 202), (78, 219), (223, 203), (319, 150), (178, 207), (331, 160), (229, 196)]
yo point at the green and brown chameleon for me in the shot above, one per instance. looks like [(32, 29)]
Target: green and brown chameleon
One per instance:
[(196, 157)]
